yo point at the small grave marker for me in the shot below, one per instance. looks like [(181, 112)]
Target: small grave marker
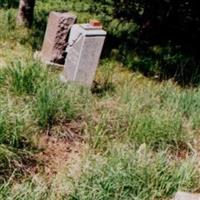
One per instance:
[(186, 196)]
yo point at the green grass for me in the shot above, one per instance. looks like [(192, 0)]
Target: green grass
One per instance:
[(53, 104), (129, 174), (11, 129), (122, 173), (158, 117), (25, 78), (141, 135)]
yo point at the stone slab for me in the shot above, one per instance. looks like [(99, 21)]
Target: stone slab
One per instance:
[(56, 36), (83, 54), (186, 196)]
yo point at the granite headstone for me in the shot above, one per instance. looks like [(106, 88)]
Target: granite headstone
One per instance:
[(83, 53), (55, 41)]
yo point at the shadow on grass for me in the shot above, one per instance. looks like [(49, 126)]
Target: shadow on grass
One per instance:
[(163, 63), (100, 89)]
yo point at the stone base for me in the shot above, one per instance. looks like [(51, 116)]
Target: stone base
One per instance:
[(37, 56), (186, 196), (63, 79)]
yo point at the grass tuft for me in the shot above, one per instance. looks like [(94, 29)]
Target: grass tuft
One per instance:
[(25, 78), (52, 104)]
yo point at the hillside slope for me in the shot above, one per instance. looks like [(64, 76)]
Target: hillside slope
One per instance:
[(131, 137)]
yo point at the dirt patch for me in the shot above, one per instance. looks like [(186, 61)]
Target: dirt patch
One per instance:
[(57, 146)]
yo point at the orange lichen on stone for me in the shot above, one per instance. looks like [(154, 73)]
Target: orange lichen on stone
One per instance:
[(95, 22)]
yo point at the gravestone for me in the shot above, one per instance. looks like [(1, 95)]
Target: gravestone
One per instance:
[(55, 41), (186, 196), (83, 53)]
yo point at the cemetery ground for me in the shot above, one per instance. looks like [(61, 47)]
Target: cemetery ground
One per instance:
[(131, 137)]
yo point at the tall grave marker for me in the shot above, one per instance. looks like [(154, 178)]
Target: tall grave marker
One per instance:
[(55, 41), (83, 53)]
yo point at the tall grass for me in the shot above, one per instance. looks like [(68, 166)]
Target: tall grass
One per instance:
[(11, 129), (54, 103), (7, 23), (7, 158), (160, 115), (29, 191), (2, 77), (15, 139), (25, 78), (128, 173), (125, 172)]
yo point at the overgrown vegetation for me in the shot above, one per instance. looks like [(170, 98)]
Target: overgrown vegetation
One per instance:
[(137, 137), (127, 174)]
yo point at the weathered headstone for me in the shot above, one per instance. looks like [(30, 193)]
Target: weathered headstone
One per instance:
[(55, 41), (83, 53), (186, 196)]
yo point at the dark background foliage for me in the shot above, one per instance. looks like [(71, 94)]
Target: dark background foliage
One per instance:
[(156, 37), (9, 3)]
